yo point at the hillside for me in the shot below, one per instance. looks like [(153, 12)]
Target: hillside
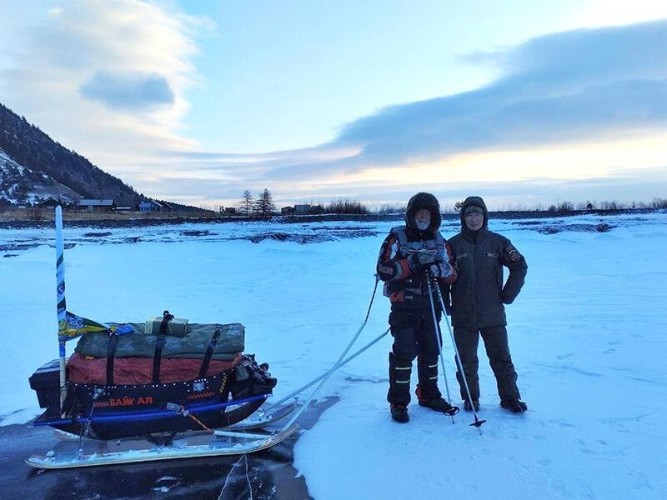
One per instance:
[(34, 167)]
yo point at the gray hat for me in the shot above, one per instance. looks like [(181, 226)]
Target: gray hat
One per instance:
[(473, 209)]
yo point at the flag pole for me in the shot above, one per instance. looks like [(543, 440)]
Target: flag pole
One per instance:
[(62, 305)]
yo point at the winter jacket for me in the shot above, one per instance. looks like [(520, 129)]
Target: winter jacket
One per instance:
[(396, 264), (479, 293)]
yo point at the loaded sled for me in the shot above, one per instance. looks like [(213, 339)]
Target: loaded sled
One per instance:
[(137, 383), (165, 381)]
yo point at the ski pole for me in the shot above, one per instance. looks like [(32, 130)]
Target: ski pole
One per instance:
[(437, 333), (477, 423)]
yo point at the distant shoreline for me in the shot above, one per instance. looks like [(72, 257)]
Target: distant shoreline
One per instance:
[(14, 220)]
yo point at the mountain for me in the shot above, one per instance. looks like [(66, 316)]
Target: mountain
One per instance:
[(34, 167)]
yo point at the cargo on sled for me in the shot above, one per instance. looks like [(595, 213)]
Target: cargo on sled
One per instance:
[(126, 380)]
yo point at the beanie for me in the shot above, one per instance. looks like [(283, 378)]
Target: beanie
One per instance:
[(473, 209)]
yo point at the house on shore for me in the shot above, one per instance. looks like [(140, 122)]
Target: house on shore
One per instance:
[(96, 205), (150, 206)]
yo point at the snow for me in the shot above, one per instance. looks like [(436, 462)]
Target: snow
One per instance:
[(586, 334)]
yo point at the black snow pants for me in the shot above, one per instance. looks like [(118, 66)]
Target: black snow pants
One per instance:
[(414, 337), (498, 352)]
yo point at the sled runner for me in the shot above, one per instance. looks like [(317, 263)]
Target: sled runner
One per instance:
[(183, 389), (200, 447)]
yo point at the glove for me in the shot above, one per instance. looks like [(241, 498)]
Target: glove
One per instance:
[(421, 260), (441, 269)]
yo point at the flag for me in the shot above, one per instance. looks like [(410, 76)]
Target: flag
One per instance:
[(74, 326)]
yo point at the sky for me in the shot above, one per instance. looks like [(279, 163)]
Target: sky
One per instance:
[(525, 103), (588, 350)]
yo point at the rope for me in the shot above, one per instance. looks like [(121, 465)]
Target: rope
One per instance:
[(340, 362)]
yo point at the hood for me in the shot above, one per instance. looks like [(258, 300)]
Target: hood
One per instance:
[(430, 203), (476, 201)]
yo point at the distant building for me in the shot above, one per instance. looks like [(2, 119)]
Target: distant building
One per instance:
[(301, 209), (97, 205), (150, 206), (287, 210), (48, 203)]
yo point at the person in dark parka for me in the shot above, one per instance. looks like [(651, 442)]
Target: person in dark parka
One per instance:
[(407, 256), (478, 299)]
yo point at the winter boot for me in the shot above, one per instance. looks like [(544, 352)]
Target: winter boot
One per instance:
[(441, 405), (468, 406), (400, 413), (514, 405)]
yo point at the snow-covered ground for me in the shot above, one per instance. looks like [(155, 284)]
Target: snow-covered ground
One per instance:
[(587, 336)]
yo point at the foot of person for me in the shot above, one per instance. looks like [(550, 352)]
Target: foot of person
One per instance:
[(399, 413), (514, 405), (468, 406), (441, 405)]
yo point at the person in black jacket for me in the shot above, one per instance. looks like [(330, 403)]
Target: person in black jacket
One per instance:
[(409, 254), (478, 299)]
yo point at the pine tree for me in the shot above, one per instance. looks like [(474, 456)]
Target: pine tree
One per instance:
[(264, 205)]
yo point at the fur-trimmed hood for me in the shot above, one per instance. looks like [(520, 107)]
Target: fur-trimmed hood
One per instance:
[(430, 203)]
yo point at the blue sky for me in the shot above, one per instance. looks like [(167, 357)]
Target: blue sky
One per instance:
[(525, 103)]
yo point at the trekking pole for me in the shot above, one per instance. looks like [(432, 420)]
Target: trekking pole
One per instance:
[(477, 423), (438, 335)]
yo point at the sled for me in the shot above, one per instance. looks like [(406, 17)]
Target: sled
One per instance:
[(102, 411), (166, 382)]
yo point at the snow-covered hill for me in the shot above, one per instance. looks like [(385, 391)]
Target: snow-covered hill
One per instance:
[(21, 186)]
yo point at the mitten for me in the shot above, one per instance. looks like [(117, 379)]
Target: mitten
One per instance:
[(441, 270), (421, 260)]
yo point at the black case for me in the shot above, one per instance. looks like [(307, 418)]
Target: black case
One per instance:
[(46, 383)]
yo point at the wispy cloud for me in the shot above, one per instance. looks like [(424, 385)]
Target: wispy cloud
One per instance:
[(574, 86), (561, 87), (571, 88), (584, 86)]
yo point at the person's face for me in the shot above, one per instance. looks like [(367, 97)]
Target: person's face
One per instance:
[(474, 221), (423, 219)]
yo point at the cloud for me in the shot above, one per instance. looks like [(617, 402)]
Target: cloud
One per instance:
[(573, 86), (554, 93), (132, 90)]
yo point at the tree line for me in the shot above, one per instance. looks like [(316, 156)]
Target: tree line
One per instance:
[(262, 205)]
